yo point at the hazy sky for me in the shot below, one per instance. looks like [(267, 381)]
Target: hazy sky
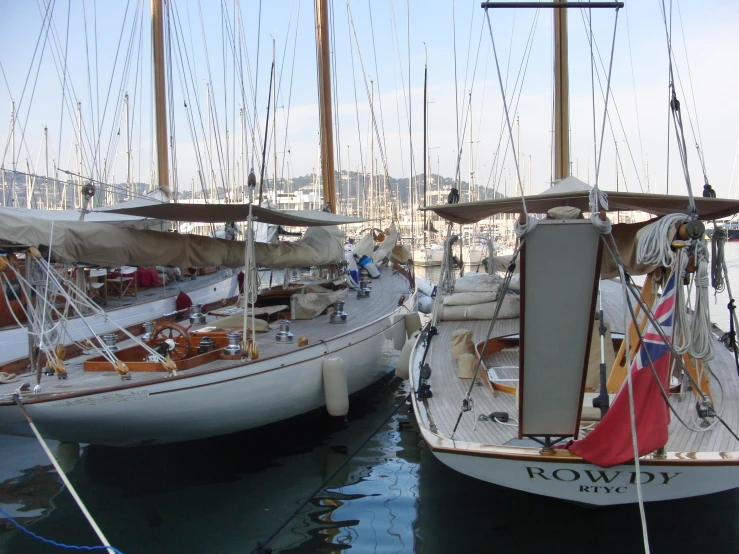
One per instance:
[(706, 81)]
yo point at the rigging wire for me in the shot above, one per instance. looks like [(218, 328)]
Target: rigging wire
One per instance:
[(456, 91), (285, 144), (676, 114), (396, 41), (698, 139), (367, 88), (188, 102), (517, 93), (377, 72), (636, 103), (356, 106), (335, 97), (615, 106), (45, 34)]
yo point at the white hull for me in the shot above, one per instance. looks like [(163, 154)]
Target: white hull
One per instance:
[(214, 287), (474, 256), (564, 475), (206, 403), (428, 257), (584, 483)]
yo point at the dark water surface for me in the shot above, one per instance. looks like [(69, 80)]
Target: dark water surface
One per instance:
[(224, 495)]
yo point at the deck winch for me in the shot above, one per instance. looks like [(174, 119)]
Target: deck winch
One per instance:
[(284, 336), (234, 346), (364, 287), (110, 340), (338, 315), (206, 344), (196, 314), (148, 328)]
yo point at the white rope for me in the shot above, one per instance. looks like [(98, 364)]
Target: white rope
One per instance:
[(522, 228), (654, 246), (599, 198), (632, 415), (251, 276), (63, 477), (77, 295), (446, 277), (681, 328), (701, 347)]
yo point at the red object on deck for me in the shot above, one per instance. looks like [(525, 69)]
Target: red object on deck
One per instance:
[(610, 443), (148, 277), (183, 302)]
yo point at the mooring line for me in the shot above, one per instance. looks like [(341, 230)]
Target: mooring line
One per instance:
[(64, 478)]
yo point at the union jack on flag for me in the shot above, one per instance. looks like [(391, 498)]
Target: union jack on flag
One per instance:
[(653, 346), (610, 443)]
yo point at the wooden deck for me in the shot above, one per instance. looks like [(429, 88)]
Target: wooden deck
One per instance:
[(444, 407), (384, 298)]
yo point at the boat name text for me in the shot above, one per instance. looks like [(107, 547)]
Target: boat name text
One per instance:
[(601, 478)]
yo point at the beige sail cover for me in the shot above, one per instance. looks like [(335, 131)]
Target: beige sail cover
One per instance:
[(104, 245)]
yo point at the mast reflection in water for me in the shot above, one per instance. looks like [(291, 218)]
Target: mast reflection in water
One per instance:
[(226, 494)]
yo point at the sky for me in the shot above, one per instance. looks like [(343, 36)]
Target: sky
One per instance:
[(107, 47)]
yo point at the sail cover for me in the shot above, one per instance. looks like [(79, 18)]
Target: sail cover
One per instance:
[(218, 213), (104, 245), (656, 204)]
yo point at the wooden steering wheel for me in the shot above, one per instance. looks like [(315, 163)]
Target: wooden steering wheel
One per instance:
[(176, 332)]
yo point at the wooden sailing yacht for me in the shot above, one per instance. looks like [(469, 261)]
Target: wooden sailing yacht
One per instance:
[(209, 290), (304, 344), (518, 384)]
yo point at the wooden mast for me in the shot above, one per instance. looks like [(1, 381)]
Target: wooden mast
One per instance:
[(561, 96), (160, 92), (324, 99)]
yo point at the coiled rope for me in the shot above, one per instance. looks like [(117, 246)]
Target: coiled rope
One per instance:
[(701, 345), (654, 246)]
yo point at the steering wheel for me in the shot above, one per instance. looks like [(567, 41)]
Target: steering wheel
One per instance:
[(176, 332)]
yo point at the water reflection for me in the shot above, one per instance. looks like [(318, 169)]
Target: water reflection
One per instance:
[(224, 495)]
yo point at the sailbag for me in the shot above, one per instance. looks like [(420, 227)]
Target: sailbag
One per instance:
[(610, 443)]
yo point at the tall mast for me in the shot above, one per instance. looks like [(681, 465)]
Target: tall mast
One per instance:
[(472, 170), (12, 133), (561, 97), (324, 98), (79, 155), (160, 94), (425, 142), (129, 192), (274, 117), (46, 155), (372, 153)]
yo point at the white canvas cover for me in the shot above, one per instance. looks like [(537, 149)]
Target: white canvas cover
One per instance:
[(391, 239), (108, 246), (311, 300)]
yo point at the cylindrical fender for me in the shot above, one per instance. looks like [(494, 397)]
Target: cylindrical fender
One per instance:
[(403, 368), (335, 388), (412, 323), (425, 304)]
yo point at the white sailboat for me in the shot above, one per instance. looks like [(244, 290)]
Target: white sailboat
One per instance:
[(181, 383), (516, 383)]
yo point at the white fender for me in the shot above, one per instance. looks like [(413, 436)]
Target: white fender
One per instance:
[(412, 323), (403, 368), (425, 304), (335, 388)]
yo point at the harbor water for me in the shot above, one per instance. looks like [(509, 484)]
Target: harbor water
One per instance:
[(384, 493)]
